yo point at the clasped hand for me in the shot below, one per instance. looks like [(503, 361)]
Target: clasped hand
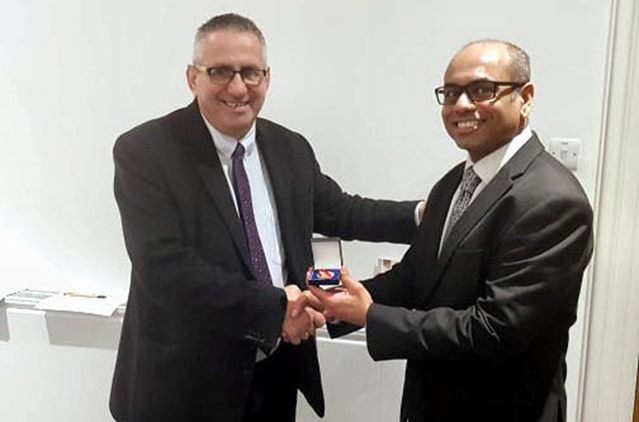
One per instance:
[(349, 303), (309, 310), (301, 318)]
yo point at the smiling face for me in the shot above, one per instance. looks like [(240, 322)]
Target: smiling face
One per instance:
[(484, 126), (233, 107)]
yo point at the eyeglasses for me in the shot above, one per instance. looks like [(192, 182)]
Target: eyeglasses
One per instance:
[(477, 91), (251, 76)]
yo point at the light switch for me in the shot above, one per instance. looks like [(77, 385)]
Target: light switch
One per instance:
[(566, 150), (383, 264)]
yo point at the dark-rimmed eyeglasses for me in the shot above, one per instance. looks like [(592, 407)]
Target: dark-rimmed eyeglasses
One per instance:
[(477, 91), (251, 76)]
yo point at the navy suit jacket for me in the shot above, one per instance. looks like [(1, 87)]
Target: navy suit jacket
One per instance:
[(195, 315), (484, 325)]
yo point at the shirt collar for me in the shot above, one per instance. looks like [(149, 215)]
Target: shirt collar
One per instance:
[(225, 144), (488, 166)]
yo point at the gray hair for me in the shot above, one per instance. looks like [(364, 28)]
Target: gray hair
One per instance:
[(227, 21)]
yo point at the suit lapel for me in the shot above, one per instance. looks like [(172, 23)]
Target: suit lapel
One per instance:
[(201, 150), (487, 198), (276, 155), (432, 228), (475, 211)]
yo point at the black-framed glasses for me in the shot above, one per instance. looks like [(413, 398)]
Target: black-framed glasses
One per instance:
[(477, 91), (251, 76)]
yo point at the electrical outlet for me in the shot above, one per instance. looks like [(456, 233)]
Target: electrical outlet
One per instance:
[(566, 150)]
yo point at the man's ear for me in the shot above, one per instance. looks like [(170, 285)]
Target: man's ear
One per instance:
[(527, 93), (267, 78), (191, 74)]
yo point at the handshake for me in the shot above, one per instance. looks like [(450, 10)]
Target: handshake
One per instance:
[(308, 310)]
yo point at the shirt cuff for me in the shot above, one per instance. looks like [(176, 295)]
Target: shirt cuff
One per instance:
[(416, 212)]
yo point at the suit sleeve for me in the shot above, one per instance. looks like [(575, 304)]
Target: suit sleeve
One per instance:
[(532, 282), (172, 276), (352, 217), (393, 288)]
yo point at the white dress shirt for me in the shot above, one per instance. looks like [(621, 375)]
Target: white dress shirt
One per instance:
[(487, 167), (264, 207)]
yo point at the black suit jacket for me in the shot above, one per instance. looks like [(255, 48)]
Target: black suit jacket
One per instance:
[(484, 325), (195, 315)]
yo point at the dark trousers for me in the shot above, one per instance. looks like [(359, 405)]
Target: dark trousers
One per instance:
[(273, 395)]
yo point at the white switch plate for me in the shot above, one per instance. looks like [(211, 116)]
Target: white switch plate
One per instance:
[(566, 150), (384, 264)]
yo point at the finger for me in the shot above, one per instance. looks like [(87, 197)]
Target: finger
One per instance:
[(328, 315), (311, 329), (297, 306), (318, 319), (310, 325), (292, 291), (313, 315), (349, 282), (293, 337), (320, 294), (313, 301), (292, 295)]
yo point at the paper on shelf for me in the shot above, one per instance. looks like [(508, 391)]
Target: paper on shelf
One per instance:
[(104, 306), (7, 290)]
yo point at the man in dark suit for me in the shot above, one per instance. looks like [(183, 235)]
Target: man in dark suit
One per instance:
[(218, 208), (481, 304)]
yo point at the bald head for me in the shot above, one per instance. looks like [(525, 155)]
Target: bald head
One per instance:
[(507, 54)]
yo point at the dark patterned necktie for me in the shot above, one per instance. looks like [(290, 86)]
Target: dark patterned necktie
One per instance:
[(467, 187), (245, 204)]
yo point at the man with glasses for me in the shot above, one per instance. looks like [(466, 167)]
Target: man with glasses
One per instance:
[(218, 208), (481, 304)]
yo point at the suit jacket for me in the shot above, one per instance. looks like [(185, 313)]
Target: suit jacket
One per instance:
[(484, 325), (195, 315)]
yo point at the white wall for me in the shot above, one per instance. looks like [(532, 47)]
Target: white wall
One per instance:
[(355, 77)]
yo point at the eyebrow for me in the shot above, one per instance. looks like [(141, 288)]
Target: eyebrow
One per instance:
[(474, 80)]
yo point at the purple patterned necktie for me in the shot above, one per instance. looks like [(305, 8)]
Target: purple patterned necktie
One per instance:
[(245, 205), (467, 187)]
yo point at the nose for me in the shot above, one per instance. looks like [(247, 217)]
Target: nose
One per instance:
[(464, 101), (237, 85)]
